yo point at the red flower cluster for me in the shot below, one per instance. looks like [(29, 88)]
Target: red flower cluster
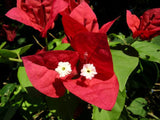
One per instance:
[(40, 14), (93, 79), (87, 72), (147, 27), (36, 13)]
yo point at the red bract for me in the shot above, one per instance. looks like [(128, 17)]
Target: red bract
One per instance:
[(40, 69), (37, 13), (102, 89), (147, 27), (84, 15), (10, 32)]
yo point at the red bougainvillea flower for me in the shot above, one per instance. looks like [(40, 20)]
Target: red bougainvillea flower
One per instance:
[(147, 27), (37, 13), (97, 83), (47, 70), (84, 15), (10, 32), (94, 79)]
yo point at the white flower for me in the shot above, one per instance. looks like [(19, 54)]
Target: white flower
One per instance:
[(64, 68), (89, 71)]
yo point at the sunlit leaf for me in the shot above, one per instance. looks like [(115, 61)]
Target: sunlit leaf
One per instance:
[(147, 50), (123, 66), (62, 46), (156, 40), (54, 43), (23, 78)]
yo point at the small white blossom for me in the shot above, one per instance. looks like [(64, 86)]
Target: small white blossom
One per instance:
[(64, 68), (89, 71)]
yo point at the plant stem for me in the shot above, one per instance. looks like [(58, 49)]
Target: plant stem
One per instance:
[(15, 60), (38, 42), (52, 35), (151, 114)]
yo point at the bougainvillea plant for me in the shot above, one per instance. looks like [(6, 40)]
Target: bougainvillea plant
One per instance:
[(69, 65)]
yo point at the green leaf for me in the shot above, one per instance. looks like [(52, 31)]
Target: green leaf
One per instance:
[(50, 45), (54, 42), (113, 44), (23, 78), (62, 46), (136, 107), (147, 50), (22, 50), (57, 44), (7, 53), (6, 92), (99, 114), (156, 40), (118, 38), (123, 66)]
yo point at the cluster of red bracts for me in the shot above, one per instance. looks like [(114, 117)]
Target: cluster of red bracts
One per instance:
[(147, 27), (87, 72)]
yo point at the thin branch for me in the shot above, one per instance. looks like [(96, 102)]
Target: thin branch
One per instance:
[(38, 42), (152, 115), (15, 60), (52, 35)]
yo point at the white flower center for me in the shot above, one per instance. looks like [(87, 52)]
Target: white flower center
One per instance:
[(64, 68), (89, 71)]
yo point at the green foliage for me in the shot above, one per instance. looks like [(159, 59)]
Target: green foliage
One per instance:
[(137, 107), (147, 50), (11, 55), (56, 44), (6, 92), (23, 78), (123, 66)]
